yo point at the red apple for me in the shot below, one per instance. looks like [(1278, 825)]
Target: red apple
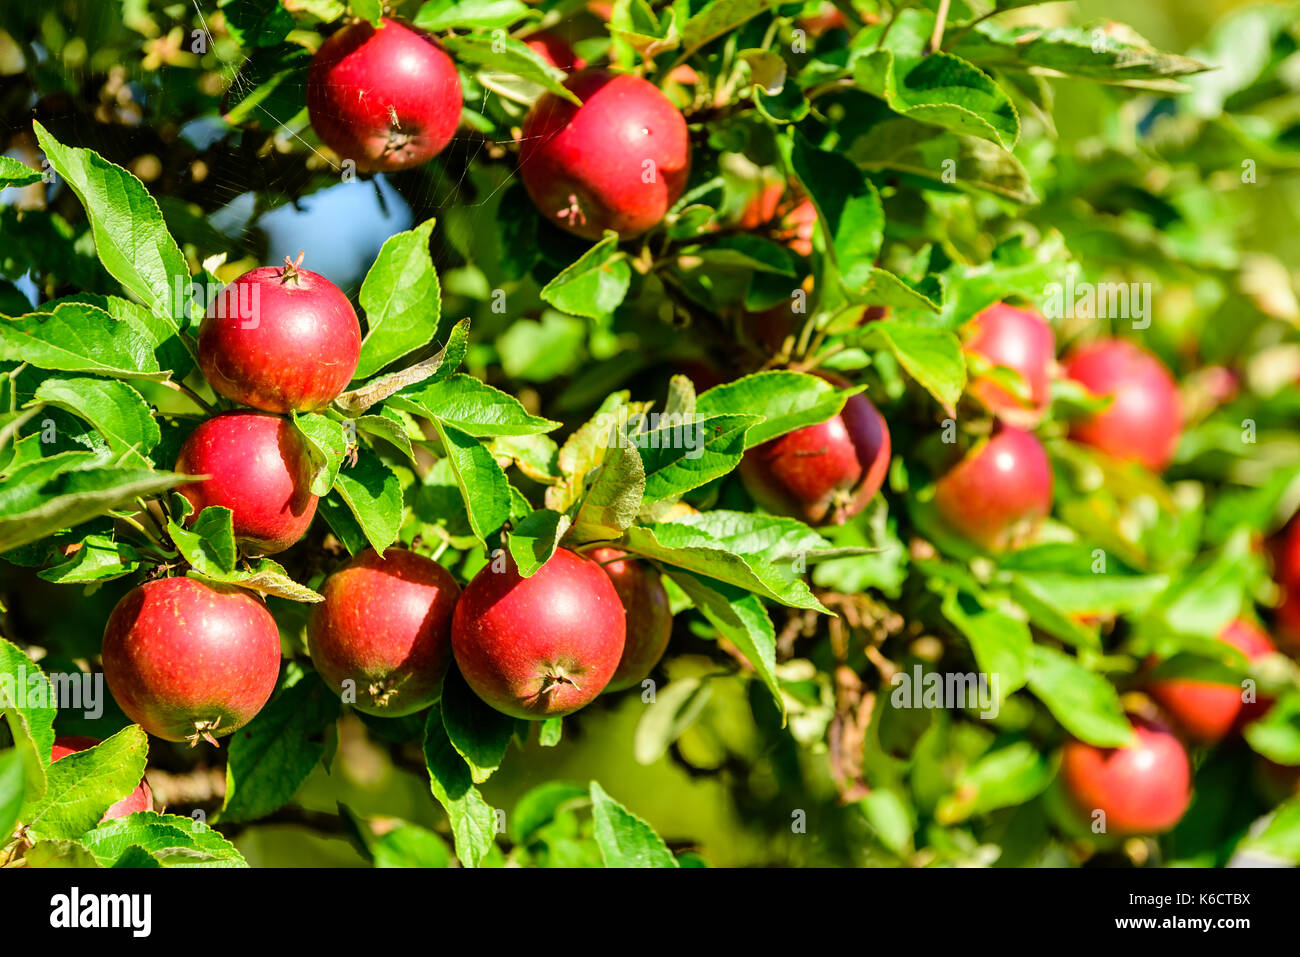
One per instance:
[(1145, 419), (385, 626), (797, 225), (822, 474), (1207, 710), (141, 799), (1142, 788), (259, 468), (542, 646), (1023, 342), (617, 162), (280, 339), (999, 492), (387, 98), (1286, 571), (187, 660), (649, 616)]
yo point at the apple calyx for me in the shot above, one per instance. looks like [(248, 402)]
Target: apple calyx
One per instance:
[(203, 732)]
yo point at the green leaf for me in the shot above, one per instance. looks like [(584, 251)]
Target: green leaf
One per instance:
[(786, 401), (933, 357), (479, 733), (1081, 700), (208, 544), (271, 756), (438, 15), (849, 210), (533, 541), (257, 22), (371, 10), (99, 558), (390, 426), (595, 284), (507, 66), (676, 707), (17, 173), (84, 785), (401, 299), (438, 366), (1003, 645), (269, 578), (694, 549), (539, 806), (771, 537), (552, 729), (537, 456), (471, 406), (374, 495), (624, 839), (42, 497), (613, 496), (941, 90), (327, 443), (130, 236), (584, 450), (473, 823), (742, 620), (921, 158), (168, 839), (1103, 50), (712, 20), (680, 458), (27, 700), (888, 817), (77, 337), (482, 483), (269, 87), (409, 845), (12, 790), (1005, 776), (117, 411)]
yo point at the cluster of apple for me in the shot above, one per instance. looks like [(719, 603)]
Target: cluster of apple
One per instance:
[(188, 659), (388, 98)]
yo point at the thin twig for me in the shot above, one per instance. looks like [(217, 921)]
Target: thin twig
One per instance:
[(940, 20)]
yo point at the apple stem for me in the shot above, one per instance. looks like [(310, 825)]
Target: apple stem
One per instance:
[(291, 267)]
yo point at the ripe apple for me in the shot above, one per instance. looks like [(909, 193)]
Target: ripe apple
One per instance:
[(999, 492), (259, 468), (387, 98), (1145, 419), (649, 616), (188, 660), (555, 50), (141, 799), (617, 162), (822, 474), (1023, 342), (1286, 571), (542, 646), (1142, 788), (385, 625), (280, 339), (1207, 710)]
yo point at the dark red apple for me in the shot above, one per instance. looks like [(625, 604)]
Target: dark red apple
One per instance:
[(259, 468), (1286, 571), (280, 339), (1023, 342), (822, 474), (542, 646), (187, 660), (649, 616), (555, 50), (1145, 419), (385, 626), (1142, 788), (387, 98), (999, 492), (141, 799), (617, 162), (1206, 711)]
